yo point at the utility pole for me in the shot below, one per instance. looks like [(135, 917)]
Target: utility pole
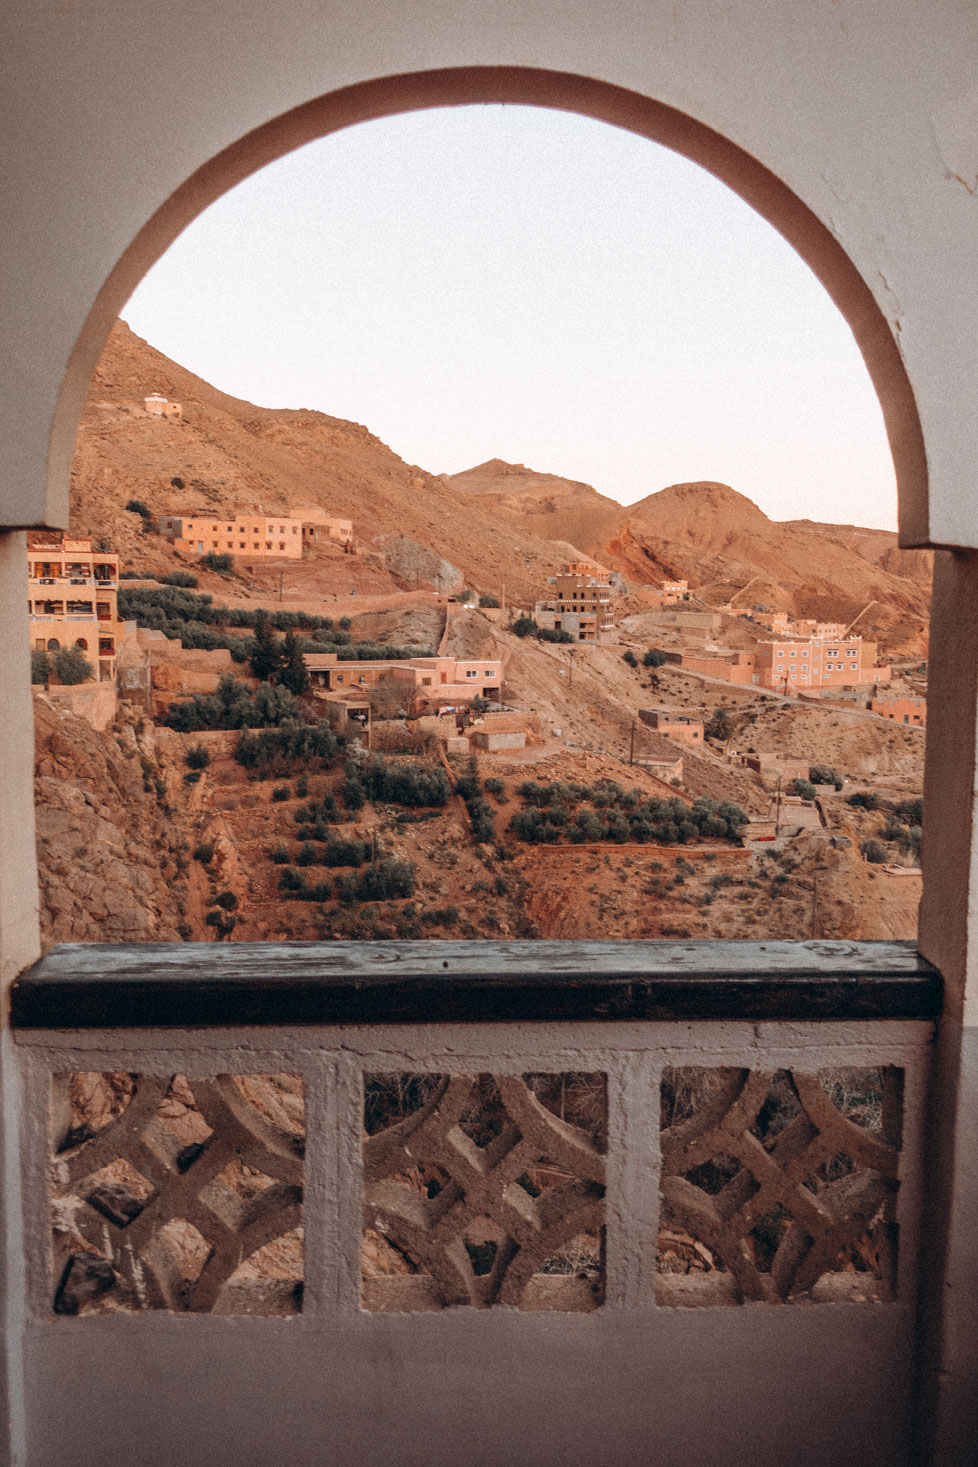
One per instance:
[(777, 818), (631, 751), (814, 891), (280, 577)]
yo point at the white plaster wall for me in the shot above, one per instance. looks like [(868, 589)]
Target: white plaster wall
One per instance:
[(865, 111)]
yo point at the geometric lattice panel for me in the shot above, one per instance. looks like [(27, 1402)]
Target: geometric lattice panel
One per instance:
[(484, 1190), (778, 1186), (178, 1195)]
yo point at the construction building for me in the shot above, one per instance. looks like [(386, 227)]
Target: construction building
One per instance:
[(581, 605), (73, 595)]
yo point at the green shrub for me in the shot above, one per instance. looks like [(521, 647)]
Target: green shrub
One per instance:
[(654, 658), (192, 776), (280, 855), (823, 774), (494, 786), (281, 792), (550, 634), (197, 757), (629, 656), (40, 666), (72, 666), (488, 601), (204, 853), (523, 626), (234, 706), (911, 811), (402, 783), (180, 578), (227, 900), (874, 852), (279, 750), (136, 506), (864, 800), (218, 562), (804, 788)]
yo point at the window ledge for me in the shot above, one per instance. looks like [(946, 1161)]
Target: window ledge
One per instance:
[(171, 985)]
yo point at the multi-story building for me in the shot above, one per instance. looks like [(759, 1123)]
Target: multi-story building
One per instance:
[(581, 605), (673, 591), (818, 662), (73, 595), (275, 536)]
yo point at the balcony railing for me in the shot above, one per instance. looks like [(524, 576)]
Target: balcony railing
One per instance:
[(590, 1190)]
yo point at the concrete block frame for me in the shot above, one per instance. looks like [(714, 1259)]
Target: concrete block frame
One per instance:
[(851, 127)]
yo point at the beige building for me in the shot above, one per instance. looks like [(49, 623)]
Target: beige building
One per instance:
[(673, 592), (273, 537), (319, 526), (671, 724), (73, 594), (424, 683), (159, 406)]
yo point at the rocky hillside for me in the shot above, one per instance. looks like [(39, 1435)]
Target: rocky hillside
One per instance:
[(720, 542), (115, 831)]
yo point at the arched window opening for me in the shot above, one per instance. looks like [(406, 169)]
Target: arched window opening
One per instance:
[(624, 547)]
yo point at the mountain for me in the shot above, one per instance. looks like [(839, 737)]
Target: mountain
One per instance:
[(497, 525), (227, 453)]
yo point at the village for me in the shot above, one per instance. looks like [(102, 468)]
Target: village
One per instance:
[(691, 750)]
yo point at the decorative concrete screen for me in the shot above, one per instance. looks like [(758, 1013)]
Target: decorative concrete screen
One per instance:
[(178, 1194), (484, 1190), (778, 1185)]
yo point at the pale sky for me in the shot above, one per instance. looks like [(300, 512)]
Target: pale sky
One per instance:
[(517, 283)]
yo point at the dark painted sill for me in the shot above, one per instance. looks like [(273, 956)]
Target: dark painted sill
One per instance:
[(172, 985)]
